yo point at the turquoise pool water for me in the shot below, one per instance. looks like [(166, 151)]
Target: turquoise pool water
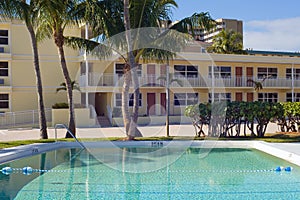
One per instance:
[(221, 173)]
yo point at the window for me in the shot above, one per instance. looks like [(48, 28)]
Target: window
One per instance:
[(185, 99), (219, 97), (4, 37), (4, 101), (187, 71), (120, 72), (220, 71), (263, 72), (130, 103), (268, 97), (288, 73), (118, 100), (290, 95), (3, 68)]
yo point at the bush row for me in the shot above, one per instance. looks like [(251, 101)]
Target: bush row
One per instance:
[(234, 118)]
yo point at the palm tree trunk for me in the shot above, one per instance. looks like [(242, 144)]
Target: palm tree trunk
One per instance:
[(136, 95), (132, 129), (125, 98), (42, 117), (59, 41)]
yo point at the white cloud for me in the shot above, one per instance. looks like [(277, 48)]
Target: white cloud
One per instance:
[(273, 35)]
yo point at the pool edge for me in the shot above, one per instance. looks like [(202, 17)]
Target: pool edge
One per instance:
[(10, 154)]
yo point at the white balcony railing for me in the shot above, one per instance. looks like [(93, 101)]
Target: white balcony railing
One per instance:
[(113, 80)]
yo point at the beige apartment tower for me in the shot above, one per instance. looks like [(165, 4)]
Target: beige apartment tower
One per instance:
[(222, 24)]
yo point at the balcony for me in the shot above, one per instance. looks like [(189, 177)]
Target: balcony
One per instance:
[(152, 81)]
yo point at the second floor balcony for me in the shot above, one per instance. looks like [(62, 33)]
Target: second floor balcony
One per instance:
[(115, 80)]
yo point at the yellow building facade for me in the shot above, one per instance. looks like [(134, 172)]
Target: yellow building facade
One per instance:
[(197, 77), (17, 75)]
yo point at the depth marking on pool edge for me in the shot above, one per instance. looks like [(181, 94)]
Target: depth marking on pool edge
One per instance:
[(29, 170), (157, 144)]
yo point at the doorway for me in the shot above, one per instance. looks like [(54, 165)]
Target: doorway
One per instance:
[(163, 103), (238, 76), (249, 71), (151, 104), (239, 96)]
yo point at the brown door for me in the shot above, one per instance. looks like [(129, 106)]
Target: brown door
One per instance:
[(163, 103), (250, 96), (151, 74), (151, 103), (238, 76), (163, 72), (249, 75), (163, 69), (238, 96)]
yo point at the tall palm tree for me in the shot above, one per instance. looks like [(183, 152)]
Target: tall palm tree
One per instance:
[(155, 13), (227, 42), (54, 17), (24, 10), (137, 14)]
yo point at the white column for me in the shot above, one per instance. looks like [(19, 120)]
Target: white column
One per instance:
[(86, 69), (213, 83), (167, 98), (293, 98)]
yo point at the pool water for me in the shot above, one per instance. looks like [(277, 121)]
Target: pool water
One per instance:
[(221, 173)]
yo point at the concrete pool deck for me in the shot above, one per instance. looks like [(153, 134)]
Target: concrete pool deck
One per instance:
[(147, 131)]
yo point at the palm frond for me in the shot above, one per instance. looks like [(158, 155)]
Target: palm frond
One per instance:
[(171, 79), (227, 42), (63, 86), (198, 20)]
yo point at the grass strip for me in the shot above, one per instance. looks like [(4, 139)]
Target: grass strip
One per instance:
[(273, 138)]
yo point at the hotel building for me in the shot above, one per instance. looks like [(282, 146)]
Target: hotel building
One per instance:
[(204, 77)]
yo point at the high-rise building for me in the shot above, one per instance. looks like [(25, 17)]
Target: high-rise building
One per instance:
[(222, 24)]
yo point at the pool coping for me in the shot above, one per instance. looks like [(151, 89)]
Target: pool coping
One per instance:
[(276, 149)]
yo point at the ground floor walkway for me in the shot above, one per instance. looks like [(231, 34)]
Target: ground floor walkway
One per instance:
[(147, 131)]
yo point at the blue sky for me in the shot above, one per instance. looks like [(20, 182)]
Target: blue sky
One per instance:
[(268, 24)]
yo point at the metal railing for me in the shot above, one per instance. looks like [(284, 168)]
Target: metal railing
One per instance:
[(69, 131), (113, 80), (22, 119)]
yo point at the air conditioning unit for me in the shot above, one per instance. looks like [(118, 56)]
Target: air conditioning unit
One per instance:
[(1, 81), (1, 49)]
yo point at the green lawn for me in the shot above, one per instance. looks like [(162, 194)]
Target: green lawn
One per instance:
[(283, 138)]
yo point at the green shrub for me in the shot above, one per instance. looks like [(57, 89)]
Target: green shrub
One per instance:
[(60, 105)]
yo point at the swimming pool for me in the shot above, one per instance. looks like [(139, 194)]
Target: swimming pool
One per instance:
[(174, 173)]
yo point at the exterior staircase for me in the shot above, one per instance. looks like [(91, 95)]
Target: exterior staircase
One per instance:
[(103, 121)]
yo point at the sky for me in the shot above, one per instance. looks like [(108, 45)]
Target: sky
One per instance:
[(272, 25)]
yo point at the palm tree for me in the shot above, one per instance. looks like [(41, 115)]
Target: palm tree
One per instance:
[(54, 17), (227, 42), (154, 13), (24, 10), (147, 13), (258, 85)]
